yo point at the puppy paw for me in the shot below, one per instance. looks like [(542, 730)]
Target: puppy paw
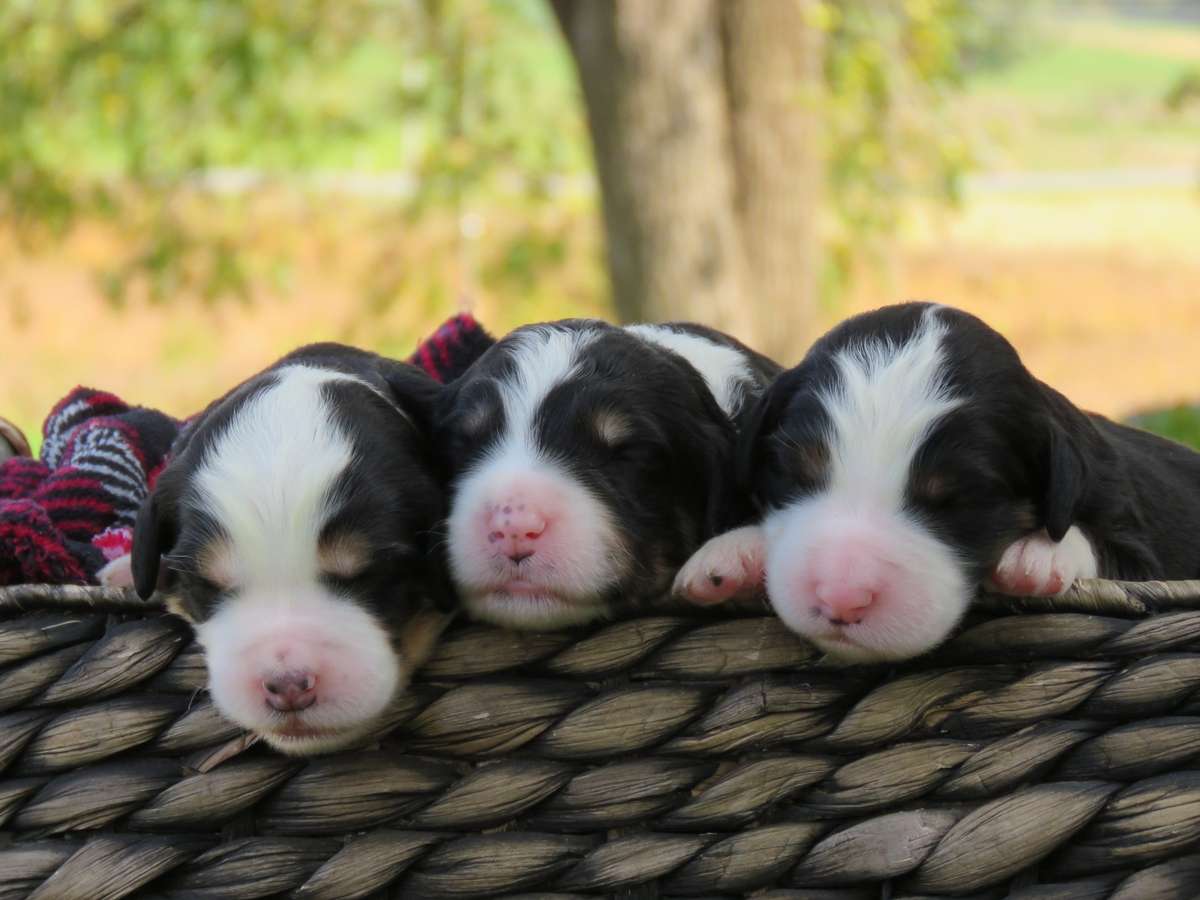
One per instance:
[(118, 573), (728, 566), (1036, 566)]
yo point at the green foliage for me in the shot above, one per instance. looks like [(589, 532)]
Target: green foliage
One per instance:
[(1073, 73), (112, 108), (889, 69), (1180, 423), (1184, 90)]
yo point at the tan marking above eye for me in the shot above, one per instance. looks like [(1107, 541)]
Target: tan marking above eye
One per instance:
[(217, 564), (177, 606), (611, 426), (343, 555), (933, 488)]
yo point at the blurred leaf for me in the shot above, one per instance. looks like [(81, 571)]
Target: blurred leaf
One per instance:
[(112, 109), (1180, 423), (104, 98), (1185, 91)]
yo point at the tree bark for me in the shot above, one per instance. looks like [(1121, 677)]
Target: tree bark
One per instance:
[(652, 76), (704, 117), (773, 58)]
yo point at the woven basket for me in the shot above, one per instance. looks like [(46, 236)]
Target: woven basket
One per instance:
[(1044, 755)]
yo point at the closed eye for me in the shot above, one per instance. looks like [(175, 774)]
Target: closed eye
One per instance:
[(374, 566), (806, 461), (948, 489), (933, 490), (636, 451), (190, 575)]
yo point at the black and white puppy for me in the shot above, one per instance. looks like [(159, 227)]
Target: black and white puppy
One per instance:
[(911, 458), (588, 462), (295, 522)]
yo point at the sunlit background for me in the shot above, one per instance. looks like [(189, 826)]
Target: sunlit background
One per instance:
[(189, 188)]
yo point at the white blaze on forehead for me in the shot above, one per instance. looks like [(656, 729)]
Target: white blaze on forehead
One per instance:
[(543, 358), (886, 401), (723, 368), (268, 477)]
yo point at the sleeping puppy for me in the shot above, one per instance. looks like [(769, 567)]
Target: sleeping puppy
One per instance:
[(588, 461), (294, 522), (911, 458)]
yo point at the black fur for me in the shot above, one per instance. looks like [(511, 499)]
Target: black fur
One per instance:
[(669, 484), (390, 498), (1016, 456)]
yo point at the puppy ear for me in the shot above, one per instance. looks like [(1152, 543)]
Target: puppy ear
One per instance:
[(154, 533), (1065, 481), (725, 505), (755, 423), (412, 390)]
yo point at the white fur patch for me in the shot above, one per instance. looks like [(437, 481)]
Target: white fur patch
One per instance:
[(1036, 566), (854, 536), (884, 405), (117, 573), (579, 555), (723, 368), (727, 566), (543, 358), (300, 627), (268, 476), (923, 592)]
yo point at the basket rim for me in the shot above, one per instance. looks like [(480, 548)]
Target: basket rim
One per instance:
[(1097, 596)]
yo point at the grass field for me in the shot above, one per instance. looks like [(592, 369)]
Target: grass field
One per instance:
[(1088, 94), (1099, 287)]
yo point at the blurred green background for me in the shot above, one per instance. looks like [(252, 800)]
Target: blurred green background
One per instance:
[(189, 188)]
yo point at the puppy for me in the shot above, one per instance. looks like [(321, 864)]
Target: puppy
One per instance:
[(911, 458), (588, 461), (294, 521)]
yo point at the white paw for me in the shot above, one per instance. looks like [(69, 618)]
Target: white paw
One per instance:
[(118, 573), (1036, 566), (730, 565)]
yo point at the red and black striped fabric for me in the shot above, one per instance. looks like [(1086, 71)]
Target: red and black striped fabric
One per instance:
[(64, 516)]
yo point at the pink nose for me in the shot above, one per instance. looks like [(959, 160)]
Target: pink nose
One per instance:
[(290, 691), (843, 603), (514, 527)]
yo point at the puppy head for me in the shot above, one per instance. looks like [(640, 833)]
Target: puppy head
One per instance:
[(893, 466), (589, 461), (294, 522)]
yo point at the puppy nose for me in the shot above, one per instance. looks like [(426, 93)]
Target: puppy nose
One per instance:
[(290, 691), (843, 603), (514, 528)]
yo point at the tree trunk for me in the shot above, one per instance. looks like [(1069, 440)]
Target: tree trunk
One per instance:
[(702, 120), (653, 83), (773, 78)]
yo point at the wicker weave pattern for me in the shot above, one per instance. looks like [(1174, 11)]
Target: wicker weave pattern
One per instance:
[(1035, 756)]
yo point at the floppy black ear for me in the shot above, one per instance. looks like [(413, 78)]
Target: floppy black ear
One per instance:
[(154, 533), (1065, 482), (413, 390), (756, 422), (725, 505)]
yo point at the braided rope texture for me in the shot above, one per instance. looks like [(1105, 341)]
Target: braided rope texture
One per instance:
[(1047, 754)]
